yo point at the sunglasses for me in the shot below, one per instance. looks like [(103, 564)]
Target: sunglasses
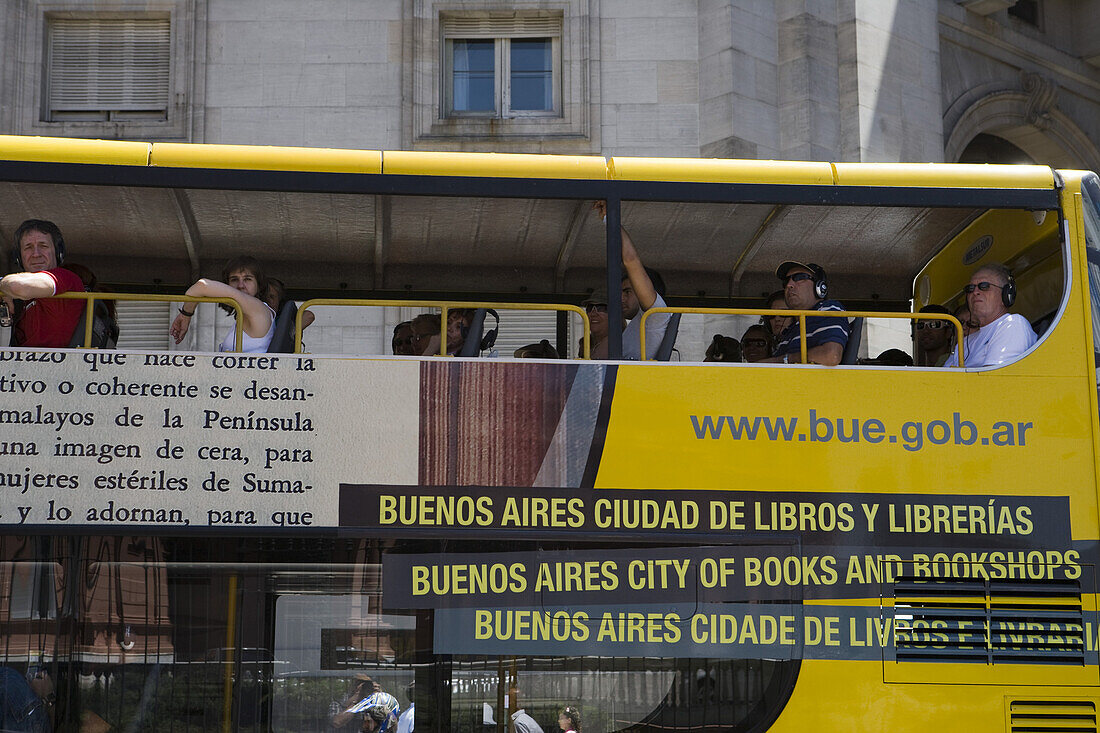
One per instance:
[(933, 324), (798, 277), (761, 343), (983, 286), (596, 308)]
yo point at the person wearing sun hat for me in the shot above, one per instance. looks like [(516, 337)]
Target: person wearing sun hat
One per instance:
[(805, 287)]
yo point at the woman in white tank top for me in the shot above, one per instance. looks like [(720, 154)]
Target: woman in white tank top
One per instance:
[(245, 283)]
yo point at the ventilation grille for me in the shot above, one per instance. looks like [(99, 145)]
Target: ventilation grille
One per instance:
[(493, 26), (989, 622), (103, 64), (143, 325), (1051, 716), (519, 328)]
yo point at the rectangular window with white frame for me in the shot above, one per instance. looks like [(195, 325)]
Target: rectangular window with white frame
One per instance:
[(502, 67), (107, 68)]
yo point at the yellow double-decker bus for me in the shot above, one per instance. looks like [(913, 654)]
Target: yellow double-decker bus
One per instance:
[(195, 540)]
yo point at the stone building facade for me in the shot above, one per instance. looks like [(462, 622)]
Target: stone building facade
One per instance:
[(840, 80), (843, 80)]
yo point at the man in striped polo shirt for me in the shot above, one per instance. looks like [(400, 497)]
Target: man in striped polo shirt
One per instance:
[(805, 288)]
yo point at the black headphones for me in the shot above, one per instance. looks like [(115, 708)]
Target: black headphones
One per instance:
[(37, 225), (1008, 292), (821, 285), (490, 337)]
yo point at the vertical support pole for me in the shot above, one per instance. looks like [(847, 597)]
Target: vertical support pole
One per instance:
[(89, 320), (230, 647), (513, 697), (502, 697), (802, 339), (561, 339), (444, 314), (614, 278)]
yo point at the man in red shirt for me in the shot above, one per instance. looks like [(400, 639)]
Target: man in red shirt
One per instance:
[(36, 258)]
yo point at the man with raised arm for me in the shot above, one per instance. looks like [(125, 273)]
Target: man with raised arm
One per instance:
[(805, 288), (1001, 336), (37, 253), (642, 289)]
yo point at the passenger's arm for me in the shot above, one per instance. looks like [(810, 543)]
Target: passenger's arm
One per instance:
[(360, 690), (828, 354), (432, 349), (632, 265), (27, 285), (181, 323), (256, 315), (635, 272)]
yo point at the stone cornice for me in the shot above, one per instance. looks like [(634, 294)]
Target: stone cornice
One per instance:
[(1020, 52)]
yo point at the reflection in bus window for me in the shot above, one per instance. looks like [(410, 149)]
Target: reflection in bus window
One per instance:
[(1090, 190)]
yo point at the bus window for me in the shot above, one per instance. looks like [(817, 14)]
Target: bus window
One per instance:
[(284, 633), (337, 627), (1090, 190)]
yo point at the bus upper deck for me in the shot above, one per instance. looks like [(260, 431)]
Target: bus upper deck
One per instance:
[(227, 540), (509, 228)]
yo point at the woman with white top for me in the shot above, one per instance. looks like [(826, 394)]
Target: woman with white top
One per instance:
[(245, 283)]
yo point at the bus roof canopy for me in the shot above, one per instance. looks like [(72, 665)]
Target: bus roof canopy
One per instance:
[(409, 222)]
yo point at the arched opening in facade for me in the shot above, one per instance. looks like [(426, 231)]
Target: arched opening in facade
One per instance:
[(987, 148), (1020, 127)]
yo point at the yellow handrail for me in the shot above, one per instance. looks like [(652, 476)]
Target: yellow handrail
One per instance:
[(92, 297), (802, 315), (444, 306)]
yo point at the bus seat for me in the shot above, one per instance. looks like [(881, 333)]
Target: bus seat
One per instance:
[(282, 341), (104, 329), (664, 351), (1041, 325), (855, 335), (475, 343)]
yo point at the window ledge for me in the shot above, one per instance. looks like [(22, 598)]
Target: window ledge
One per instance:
[(111, 129)]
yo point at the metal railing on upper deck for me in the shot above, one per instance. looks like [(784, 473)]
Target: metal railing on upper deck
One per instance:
[(802, 315), (445, 306), (92, 296)]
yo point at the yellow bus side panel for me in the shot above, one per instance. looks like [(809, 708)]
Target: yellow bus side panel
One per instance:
[(849, 696), (853, 430)]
